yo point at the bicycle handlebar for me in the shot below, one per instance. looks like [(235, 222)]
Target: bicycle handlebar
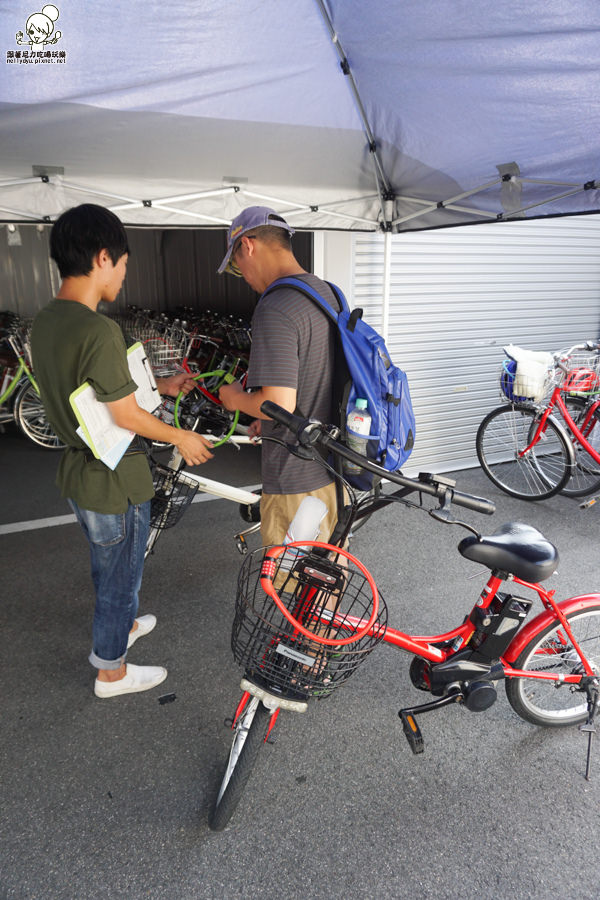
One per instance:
[(311, 432), (590, 346)]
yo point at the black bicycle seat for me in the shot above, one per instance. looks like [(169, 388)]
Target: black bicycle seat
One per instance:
[(515, 548)]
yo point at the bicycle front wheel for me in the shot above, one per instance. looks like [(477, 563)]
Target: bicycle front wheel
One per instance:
[(31, 418), (249, 736), (538, 474), (585, 478), (550, 703)]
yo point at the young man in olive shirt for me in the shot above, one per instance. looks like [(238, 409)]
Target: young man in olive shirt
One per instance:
[(71, 343)]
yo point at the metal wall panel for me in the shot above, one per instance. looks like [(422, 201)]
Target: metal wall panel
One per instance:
[(167, 269), (458, 296), (27, 279)]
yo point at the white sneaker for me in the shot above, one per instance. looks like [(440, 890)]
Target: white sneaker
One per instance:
[(137, 678), (145, 626)]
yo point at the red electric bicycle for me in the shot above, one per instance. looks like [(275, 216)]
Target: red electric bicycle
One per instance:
[(308, 614)]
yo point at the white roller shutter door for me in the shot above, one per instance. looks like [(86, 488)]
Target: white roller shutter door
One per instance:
[(457, 296)]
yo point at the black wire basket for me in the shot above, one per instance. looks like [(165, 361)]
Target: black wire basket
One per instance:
[(330, 596), (173, 493)]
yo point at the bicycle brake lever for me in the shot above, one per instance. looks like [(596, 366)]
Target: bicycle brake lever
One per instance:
[(443, 514), (300, 451)]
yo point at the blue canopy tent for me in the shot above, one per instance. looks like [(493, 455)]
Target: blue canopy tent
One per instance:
[(392, 114)]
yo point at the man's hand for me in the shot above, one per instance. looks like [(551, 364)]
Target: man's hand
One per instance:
[(176, 384), (255, 429), (230, 395), (194, 448)]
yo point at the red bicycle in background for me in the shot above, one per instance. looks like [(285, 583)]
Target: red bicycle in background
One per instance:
[(529, 453), (308, 614)]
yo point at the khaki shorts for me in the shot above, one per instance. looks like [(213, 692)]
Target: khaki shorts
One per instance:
[(278, 510)]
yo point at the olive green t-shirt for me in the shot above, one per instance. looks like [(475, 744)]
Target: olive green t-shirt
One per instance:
[(70, 344)]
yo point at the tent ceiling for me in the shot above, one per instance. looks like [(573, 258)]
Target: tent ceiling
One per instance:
[(183, 114)]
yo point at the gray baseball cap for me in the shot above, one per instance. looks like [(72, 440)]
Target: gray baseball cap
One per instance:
[(252, 217)]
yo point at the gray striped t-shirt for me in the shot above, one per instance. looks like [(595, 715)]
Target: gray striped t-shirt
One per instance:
[(293, 345)]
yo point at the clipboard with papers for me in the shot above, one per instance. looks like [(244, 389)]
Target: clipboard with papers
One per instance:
[(107, 440)]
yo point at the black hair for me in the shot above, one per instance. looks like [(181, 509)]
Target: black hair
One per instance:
[(80, 233), (274, 234)]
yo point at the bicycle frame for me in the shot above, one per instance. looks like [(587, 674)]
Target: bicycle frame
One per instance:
[(16, 376), (458, 638), (557, 400)]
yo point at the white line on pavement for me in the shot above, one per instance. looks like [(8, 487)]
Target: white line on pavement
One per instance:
[(53, 521)]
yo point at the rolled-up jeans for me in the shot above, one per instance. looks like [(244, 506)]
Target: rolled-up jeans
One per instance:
[(117, 547)]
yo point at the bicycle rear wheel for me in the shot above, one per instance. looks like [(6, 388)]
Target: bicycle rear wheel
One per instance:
[(31, 418), (585, 478), (542, 472), (249, 736), (550, 703)]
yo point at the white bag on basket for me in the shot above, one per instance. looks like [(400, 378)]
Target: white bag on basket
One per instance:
[(532, 371)]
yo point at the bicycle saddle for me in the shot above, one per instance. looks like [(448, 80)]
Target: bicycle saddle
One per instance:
[(518, 549)]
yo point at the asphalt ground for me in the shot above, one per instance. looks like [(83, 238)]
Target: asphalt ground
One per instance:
[(109, 798)]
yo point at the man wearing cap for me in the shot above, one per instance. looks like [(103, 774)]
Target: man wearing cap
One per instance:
[(291, 364)]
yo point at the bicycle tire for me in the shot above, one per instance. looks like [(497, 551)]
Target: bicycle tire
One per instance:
[(31, 418), (585, 477), (546, 469), (545, 702), (249, 737)]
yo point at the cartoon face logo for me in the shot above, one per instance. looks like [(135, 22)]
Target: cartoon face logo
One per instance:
[(39, 28)]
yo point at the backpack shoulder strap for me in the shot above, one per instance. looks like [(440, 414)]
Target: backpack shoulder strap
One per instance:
[(312, 294)]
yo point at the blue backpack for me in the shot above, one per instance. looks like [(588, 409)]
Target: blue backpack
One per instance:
[(364, 369)]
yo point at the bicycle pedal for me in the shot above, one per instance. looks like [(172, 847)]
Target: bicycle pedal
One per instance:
[(412, 732)]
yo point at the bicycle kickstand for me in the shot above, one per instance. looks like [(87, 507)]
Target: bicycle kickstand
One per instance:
[(593, 695), (411, 730), (240, 538)]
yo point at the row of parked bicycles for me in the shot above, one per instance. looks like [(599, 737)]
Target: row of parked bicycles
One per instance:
[(19, 396), (211, 346), (543, 439)]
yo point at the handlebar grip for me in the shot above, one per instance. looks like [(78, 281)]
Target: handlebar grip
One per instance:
[(281, 415), (477, 504)]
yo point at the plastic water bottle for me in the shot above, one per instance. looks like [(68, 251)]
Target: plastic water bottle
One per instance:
[(305, 526), (358, 423)]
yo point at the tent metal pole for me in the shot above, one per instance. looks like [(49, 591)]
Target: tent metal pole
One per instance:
[(547, 181), (199, 195), (308, 206), (336, 215), (449, 203), (303, 207), (387, 270), (21, 215), (31, 180), (381, 177), (541, 203), (86, 190), (190, 214)]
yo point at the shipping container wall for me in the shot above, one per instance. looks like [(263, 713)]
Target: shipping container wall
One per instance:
[(167, 269)]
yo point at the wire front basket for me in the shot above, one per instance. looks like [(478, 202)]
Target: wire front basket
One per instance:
[(523, 383), (330, 597), (173, 493)]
